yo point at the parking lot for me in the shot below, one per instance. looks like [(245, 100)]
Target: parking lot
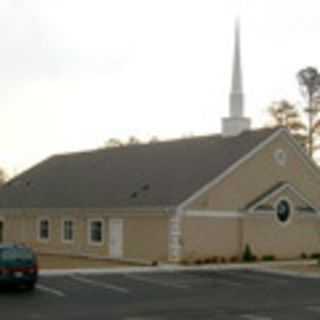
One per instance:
[(241, 294)]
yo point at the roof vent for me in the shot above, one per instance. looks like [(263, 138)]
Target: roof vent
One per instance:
[(134, 195), (145, 187)]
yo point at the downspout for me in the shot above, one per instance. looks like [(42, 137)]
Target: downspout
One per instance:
[(175, 236)]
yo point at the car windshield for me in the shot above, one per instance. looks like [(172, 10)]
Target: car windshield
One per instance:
[(14, 254)]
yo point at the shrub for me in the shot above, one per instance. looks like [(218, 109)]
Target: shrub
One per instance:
[(303, 255), (315, 255), (214, 259), (207, 260), (198, 261), (234, 259), (223, 260), (268, 257), (248, 256), (185, 262)]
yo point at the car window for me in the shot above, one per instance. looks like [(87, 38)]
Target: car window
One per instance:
[(16, 254)]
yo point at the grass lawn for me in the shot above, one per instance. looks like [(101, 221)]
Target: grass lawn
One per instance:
[(63, 262)]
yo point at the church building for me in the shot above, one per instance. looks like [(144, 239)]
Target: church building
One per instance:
[(186, 199)]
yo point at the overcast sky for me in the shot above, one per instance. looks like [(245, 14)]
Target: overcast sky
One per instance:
[(74, 73)]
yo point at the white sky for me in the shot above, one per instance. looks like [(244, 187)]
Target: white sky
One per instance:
[(74, 73)]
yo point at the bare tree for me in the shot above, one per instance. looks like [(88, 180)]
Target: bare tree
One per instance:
[(113, 142), (285, 114), (133, 140)]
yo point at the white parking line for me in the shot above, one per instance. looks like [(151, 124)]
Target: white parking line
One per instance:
[(254, 276), (254, 317), (156, 282), (314, 309), (50, 290), (99, 284), (228, 282)]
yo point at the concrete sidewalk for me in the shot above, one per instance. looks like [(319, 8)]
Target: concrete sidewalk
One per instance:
[(262, 266)]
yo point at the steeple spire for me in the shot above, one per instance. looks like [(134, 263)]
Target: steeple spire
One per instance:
[(236, 95), (236, 123)]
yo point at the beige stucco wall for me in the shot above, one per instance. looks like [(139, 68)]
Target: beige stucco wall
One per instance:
[(146, 238), (257, 175), (262, 231), (205, 237), (143, 237), (266, 236)]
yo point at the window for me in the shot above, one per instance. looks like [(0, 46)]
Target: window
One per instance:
[(283, 211), (68, 230), (96, 232), (44, 231)]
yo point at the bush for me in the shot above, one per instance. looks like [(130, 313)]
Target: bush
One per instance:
[(234, 259), (185, 262), (223, 260), (248, 256), (198, 261), (214, 259), (268, 257), (207, 260), (303, 255), (315, 255)]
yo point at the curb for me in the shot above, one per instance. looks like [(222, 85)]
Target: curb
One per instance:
[(262, 266), (293, 274)]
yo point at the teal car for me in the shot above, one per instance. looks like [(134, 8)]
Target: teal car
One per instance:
[(18, 266)]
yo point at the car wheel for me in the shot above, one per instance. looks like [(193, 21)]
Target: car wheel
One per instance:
[(31, 286)]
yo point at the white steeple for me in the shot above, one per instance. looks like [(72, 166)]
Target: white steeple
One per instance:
[(236, 122)]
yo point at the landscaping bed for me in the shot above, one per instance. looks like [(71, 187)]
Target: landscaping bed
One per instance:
[(47, 262), (311, 268)]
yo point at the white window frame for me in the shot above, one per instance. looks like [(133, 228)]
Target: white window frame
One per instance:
[(63, 239), (95, 243), (292, 211), (39, 229)]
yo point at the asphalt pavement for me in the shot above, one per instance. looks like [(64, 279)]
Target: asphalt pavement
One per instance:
[(232, 294)]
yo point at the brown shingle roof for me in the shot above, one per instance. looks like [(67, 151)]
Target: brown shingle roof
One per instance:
[(154, 175)]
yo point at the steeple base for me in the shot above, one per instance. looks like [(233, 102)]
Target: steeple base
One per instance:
[(235, 125)]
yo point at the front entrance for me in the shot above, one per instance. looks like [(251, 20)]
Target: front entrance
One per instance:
[(1, 231), (116, 238)]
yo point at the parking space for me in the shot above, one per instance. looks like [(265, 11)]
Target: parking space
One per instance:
[(184, 295)]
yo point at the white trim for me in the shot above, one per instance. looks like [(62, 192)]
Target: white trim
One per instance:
[(292, 211), (291, 142), (95, 243), (278, 191), (213, 214), (38, 222), (231, 169), (63, 240), (175, 237)]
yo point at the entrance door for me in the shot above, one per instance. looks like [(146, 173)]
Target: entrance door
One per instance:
[(1, 231), (116, 238)]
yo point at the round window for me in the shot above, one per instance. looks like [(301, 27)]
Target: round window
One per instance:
[(283, 210), (280, 157)]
